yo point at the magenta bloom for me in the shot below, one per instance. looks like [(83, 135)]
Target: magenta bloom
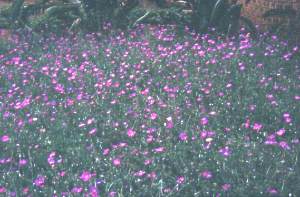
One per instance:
[(284, 145), (22, 162), (225, 151), (131, 133), (183, 136), (226, 186), (112, 194), (2, 189), (106, 151), (86, 176), (40, 181), (257, 127), (271, 140), (93, 192), (139, 173), (153, 116), (76, 189), (204, 121), (280, 132), (159, 149), (51, 159), (93, 131), (206, 174), (5, 138), (169, 124), (271, 190), (180, 180), (117, 162)]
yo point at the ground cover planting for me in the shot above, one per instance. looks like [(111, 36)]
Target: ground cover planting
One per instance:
[(150, 113)]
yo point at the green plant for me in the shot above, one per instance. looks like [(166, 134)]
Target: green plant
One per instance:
[(86, 15), (221, 14), (201, 15), (289, 21)]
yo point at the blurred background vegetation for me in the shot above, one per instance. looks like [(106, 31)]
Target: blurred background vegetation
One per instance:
[(73, 16)]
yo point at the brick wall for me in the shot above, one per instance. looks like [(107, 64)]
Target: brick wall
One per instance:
[(256, 8)]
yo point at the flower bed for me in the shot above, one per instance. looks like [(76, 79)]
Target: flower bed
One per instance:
[(149, 114)]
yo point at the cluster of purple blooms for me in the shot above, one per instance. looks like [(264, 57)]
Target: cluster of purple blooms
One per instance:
[(98, 118)]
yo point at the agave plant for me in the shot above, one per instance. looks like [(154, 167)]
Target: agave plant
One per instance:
[(88, 15), (289, 21), (224, 15)]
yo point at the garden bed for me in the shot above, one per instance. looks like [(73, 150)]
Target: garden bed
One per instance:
[(150, 114)]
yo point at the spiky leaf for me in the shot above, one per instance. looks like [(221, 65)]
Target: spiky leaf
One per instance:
[(286, 12)]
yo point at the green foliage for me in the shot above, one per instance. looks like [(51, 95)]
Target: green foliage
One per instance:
[(3, 46), (90, 15), (289, 23), (223, 15)]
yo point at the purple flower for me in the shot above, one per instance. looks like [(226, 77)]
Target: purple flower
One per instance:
[(180, 180), (284, 145), (206, 174), (40, 181), (280, 132), (226, 186), (183, 136), (76, 189), (272, 190), (86, 176), (5, 138), (225, 151), (204, 121)]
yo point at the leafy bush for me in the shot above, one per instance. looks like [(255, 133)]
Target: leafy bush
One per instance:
[(288, 26)]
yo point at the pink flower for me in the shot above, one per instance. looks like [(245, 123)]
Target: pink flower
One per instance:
[(169, 124), (62, 173), (112, 194), (152, 175), (225, 151), (117, 162), (76, 189), (2, 189), (51, 159), (271, 140), (257, 127), (203, 134), (159, 149), (247, 123), (206, 174), (153, 116), (280, 132), (204, 121), (106, 151), (147, 161), (5, 138), (180, 180), (40, 181), (86, 176), (22, 162), (93, 192), (226, 187), (93, 131), (25, 190), (284, 145), (183, 136), (149, 139), (271, 190), (287, 117), (139, 173), (131, 133)]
